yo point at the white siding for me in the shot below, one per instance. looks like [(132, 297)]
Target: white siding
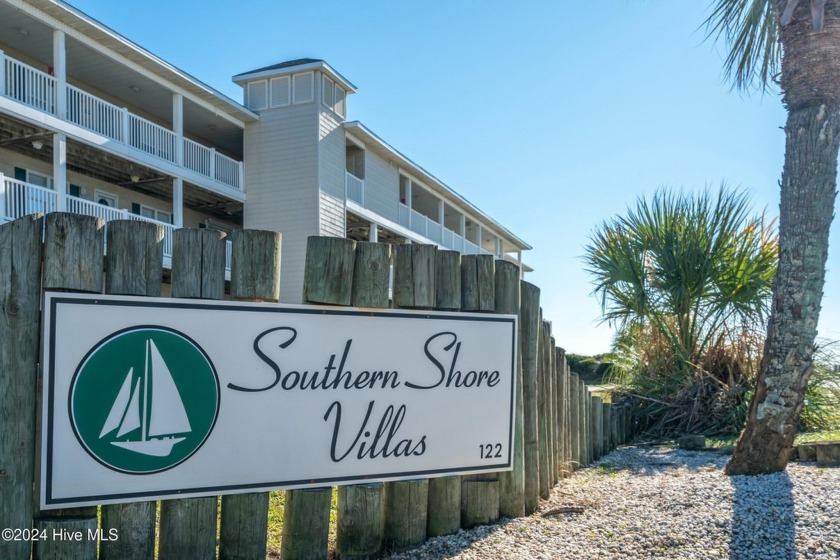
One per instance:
[(382, 186), (332, 163), (281, 181)]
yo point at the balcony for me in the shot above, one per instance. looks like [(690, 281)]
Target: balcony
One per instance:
[(18, 199), (37, 89)]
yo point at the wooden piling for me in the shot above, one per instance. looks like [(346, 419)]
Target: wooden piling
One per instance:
[(598, 426), (188, 527), (607, 428), (574, 422), (512, 483), (529, 317), (73, 247), (478, 281), (406, 512), (563, 410), (407, 502), (254, 276), (544, 412), (134, 267), (479, 502), (306, 522), (443, 515), (478, 290), (20, 329), (328, 279), (414, 276), (360, 520)]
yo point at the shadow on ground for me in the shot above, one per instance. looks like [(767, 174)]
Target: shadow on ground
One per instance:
[(763, 518)]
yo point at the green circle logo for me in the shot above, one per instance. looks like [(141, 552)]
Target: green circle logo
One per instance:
[(144, 400)]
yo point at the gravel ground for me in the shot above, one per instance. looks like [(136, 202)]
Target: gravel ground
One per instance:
[(664, 503)]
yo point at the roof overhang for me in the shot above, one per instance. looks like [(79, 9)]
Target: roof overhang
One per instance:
[(99, 37), (272, 71)]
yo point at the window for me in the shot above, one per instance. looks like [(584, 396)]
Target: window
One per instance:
[(151, 213), (105, 198)]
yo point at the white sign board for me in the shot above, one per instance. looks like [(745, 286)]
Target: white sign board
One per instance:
[(149, 398)]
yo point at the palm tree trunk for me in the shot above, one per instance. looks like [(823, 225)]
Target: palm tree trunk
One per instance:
[(808, 191)]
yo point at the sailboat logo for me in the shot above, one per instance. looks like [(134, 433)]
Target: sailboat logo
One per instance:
[(144, 400)]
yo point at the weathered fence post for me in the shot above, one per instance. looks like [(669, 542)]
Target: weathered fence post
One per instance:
[(574, 421), (512, 483), (529, 317), (607, 428), (188, 527), (254, 276), (479, 494), (72, 262), (20, 329), (135, 267), (360, 520), (407, 502), (598, 406), (556, 450), (327, 279), (544, 411), (444, 505), (563, 410)]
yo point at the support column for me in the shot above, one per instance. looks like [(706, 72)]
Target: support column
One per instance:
[(409, 186), (462, 231), (178, 202), (2, 182), (60, 73), (3, 73), (60, 170), (373, 234), (178, 126)]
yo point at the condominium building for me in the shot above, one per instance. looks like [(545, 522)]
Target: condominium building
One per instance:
[(94, 124)]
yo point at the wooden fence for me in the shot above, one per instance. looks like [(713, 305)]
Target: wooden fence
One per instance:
[(559, 426)]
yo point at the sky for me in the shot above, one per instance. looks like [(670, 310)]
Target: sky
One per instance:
[(549, 116)]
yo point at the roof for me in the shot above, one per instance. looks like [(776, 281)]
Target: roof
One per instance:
[(100, 34), (297, 65), (364, 134)]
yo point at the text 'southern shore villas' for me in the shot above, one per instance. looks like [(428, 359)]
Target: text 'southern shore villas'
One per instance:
[(92, 123)]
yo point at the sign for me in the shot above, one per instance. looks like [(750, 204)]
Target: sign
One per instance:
[(153, 398)]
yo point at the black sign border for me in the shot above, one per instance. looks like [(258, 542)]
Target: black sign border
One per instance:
[(58, 298)]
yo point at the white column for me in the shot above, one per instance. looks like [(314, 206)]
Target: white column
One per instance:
[(478, 237), (178, 126), (2, 73), (178, 202), (462, 231), (499, 246), (373, 234), (60, 170), (60, 73), (2, 183), (519, 263), (441, 218), (409, 185)]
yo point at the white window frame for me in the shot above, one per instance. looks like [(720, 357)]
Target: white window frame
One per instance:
[(327, 89), (47, 179), (301, 76), (97, 194), (156, 211)]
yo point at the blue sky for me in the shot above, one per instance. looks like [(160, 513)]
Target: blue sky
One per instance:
[(550, 116)]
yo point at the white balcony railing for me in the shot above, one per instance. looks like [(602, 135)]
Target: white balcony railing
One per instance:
[(355, 188), (29, 86), (38, 90), (18, 199)]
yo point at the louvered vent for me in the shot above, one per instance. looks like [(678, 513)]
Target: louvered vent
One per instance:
[(304, 85), (339, 100), (281, 94), (258, 94), (327, 92)]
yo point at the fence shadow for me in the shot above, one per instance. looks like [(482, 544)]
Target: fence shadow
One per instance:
[(763, 518)]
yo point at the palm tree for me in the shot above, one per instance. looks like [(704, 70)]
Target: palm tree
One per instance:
[(803, 39)]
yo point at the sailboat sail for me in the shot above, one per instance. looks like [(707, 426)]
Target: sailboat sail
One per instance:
[(131, 420), (119, 408), (167, 415), (160, 420)]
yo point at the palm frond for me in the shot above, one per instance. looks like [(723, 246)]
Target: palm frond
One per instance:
[(750, 31)]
